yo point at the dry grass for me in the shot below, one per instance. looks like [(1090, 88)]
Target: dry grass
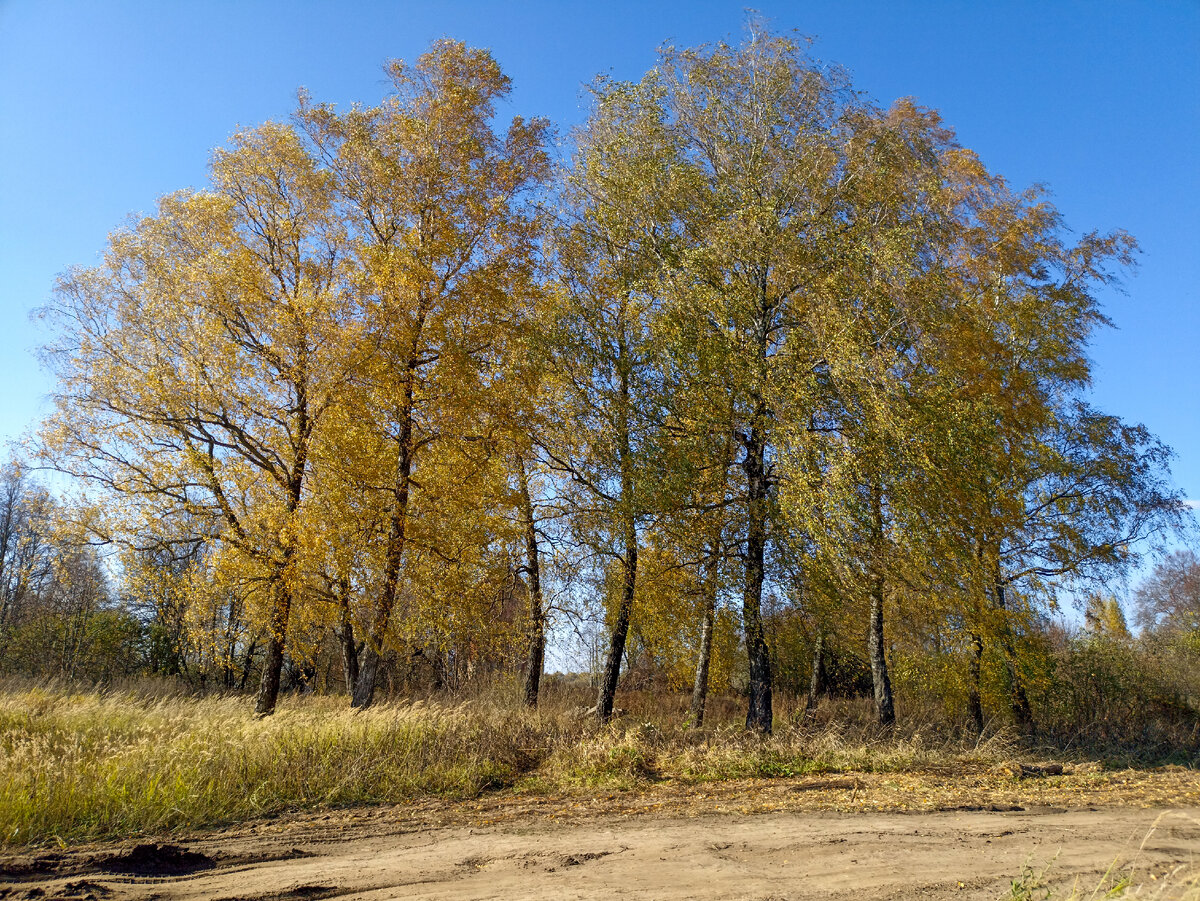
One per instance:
[(77, 765), (1177, 884), (1128, 879), (97, 764)]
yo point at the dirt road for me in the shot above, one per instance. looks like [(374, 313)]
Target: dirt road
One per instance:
[(646, 852)]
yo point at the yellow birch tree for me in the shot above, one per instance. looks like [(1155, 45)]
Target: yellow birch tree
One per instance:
[(442, 240), (198, 361)]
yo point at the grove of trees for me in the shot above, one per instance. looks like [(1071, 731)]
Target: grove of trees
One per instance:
[(784, 387)]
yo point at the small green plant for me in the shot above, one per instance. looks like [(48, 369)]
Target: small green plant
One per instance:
[(1030, 885), (1179, 884)]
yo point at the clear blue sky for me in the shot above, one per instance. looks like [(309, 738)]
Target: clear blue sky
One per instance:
[(106, 105)]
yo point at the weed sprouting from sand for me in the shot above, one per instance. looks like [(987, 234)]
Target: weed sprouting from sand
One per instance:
[(1126, 878)]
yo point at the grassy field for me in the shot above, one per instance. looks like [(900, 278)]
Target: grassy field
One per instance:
[(79, 765)]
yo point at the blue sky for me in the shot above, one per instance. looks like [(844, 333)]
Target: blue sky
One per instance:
[(105, 106)]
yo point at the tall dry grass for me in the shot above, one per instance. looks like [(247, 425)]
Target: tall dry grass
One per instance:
[(90, 764), (81, 764)]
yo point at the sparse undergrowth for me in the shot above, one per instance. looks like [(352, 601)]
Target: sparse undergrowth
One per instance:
[(1129, 880), (78, 765)]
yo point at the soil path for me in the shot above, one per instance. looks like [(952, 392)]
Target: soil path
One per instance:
[(797, 854)]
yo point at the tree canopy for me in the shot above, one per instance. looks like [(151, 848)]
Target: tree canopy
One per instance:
[(758, 354)]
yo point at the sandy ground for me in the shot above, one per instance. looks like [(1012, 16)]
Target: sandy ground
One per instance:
[(783, 839)]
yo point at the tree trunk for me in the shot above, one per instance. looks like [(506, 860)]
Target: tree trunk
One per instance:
[(368, 672), (1022, 712), (268, 688), (535, 661), (884, 706), (700, 688), (616, 644), (759, 712), (349, 646), (364, 687), (975, 700), (628, 506), (229, 653), (876, 648), (249, 661), (818, 683)]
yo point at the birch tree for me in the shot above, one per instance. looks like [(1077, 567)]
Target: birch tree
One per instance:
[(442, 237), (197, 362), (761, 211)]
